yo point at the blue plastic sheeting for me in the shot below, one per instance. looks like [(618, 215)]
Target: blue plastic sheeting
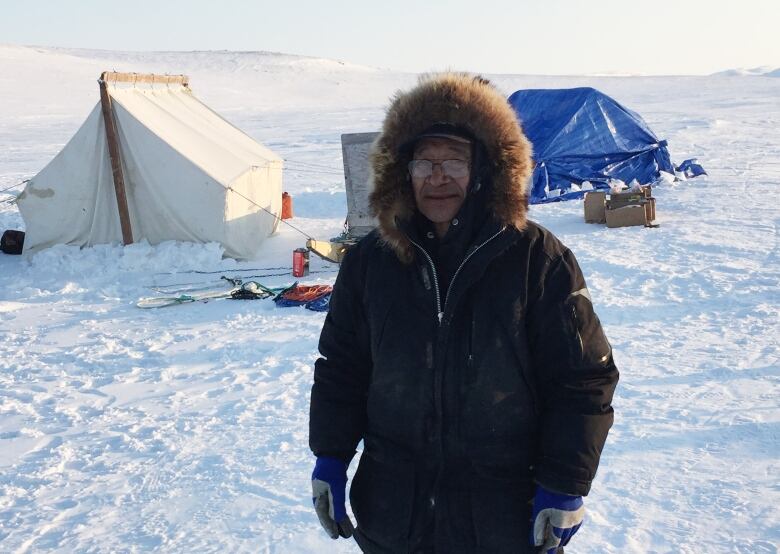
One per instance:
[(691, 168), (581, 134)]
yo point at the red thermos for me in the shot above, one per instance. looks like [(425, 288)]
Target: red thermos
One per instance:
[(300, 262)]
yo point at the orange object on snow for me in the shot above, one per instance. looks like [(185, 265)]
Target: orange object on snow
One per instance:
[(306, 293), (287, 211)]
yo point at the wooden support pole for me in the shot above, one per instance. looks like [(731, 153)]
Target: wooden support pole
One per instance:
[(116, 160)]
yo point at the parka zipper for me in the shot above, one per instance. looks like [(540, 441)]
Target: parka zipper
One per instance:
[(437, 388), (439, 310), (466, 259)]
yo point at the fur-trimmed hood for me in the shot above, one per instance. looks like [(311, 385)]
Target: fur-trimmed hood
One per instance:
[(463, 100)]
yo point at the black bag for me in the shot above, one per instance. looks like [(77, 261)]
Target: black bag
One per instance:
[(12, 242)]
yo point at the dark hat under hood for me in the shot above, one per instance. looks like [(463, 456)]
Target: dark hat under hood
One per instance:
[(463, 101)]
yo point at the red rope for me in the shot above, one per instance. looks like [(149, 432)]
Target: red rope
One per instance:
[(307, 293)]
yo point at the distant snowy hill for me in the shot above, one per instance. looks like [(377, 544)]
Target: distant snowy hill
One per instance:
[(184, 429), (269, 80), (217, 60), (762, 71)]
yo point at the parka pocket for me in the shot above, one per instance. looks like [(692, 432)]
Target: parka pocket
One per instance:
[(501, 508), (381, 497), (471, 372), (379, 322), (590, 347)]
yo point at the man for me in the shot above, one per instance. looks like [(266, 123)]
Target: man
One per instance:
[(461, 346)]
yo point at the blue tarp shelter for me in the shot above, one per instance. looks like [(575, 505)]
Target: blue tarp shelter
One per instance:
[(582, 134)]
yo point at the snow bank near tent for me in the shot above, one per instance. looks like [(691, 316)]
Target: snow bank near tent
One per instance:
[(64, 262)]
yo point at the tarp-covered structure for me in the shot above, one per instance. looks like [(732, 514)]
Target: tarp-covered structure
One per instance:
[(581, 135), (189, 175)]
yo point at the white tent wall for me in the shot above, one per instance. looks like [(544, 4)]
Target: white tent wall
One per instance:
[(193, 129), (168, 196), (72, 199), (176, 142), (247, 216), (179, 158)]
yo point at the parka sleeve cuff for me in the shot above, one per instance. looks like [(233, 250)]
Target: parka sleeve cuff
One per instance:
[(562, 485)]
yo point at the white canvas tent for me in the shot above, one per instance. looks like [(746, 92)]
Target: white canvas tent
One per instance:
[(181, 173)]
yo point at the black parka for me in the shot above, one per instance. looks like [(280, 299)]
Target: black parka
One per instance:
[(463, 397)]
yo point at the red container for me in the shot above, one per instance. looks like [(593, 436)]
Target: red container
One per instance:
[(300, 262), (287, 207)]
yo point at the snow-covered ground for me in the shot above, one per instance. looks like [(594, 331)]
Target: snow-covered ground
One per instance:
[(184, 429)]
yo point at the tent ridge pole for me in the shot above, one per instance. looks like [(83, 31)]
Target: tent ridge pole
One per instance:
[(114, 153)]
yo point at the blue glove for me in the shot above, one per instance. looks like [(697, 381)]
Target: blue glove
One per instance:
[(556, 517), (328, 493)]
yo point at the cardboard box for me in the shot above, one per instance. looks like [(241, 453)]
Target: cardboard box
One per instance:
[(618, 200), (647, 203), (626, 216), (621, 209), (630, 198), (595, 207)]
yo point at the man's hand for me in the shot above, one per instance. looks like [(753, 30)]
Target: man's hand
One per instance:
[(328, 486), (556, 517)]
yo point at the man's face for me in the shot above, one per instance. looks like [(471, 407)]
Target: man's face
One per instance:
[(439, 195)]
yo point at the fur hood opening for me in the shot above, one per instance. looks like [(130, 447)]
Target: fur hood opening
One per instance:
[(463, 100)]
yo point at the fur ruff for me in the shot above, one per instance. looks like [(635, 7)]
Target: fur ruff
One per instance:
[(460, 99)]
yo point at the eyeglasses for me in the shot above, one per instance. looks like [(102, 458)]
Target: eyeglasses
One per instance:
[(422, 169)]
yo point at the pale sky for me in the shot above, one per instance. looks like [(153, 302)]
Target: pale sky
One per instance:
[(523, 36)]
